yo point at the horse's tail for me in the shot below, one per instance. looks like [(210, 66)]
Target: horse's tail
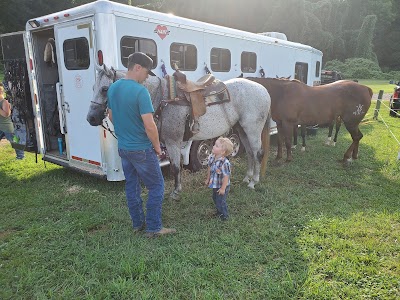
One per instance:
[(370, 91), (265, 138)]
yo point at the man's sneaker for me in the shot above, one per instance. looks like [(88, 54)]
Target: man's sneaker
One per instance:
[(162, 231)]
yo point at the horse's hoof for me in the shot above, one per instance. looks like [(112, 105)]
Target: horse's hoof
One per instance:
[(333, 144), (246, 179), (251, 185), (303, 149), (347, 162), (174, 195)]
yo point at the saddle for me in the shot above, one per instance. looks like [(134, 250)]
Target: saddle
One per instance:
[(207, 84), (205, 91)]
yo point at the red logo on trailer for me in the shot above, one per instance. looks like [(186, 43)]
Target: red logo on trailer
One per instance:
[(162, 31)]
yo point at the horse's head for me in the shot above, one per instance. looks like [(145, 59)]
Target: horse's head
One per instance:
[(98, 106)]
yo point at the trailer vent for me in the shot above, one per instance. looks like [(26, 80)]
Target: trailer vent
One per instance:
[(276, 35)]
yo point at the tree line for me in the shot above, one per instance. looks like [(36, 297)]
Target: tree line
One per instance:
[(341, 29)]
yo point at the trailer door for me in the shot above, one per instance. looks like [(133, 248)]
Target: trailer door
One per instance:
[(75, 50)]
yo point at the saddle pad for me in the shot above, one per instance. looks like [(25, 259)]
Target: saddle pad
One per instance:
[(218, 98), (171, 87)]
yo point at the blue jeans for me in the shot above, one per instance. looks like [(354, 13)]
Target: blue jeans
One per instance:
[(143, 166), (9, 137), (220, 201)]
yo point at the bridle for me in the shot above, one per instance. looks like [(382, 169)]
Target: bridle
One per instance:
[(157, 113), (104, 107)]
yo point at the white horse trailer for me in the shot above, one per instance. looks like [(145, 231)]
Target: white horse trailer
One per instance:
[(64, 50)]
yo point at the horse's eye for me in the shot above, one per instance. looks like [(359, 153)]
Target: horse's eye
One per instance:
[(104, 89)]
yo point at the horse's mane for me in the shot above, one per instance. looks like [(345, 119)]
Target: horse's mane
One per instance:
[(109, 72), (288, 80)]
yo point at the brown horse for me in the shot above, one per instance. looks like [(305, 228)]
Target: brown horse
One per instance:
[(293, 102)]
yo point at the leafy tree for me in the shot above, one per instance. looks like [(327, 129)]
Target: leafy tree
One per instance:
[(353, 68), (365, 36)]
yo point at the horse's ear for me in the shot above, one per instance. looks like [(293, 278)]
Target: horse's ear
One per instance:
[(276, 76), (106, 70)]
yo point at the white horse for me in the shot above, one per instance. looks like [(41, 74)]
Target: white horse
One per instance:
[(249, 109)]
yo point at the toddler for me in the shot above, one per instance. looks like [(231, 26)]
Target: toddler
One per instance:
[(218, 174)]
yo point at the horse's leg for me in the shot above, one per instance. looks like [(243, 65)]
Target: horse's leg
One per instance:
[(175, 159), (173, 127), (329, 139), (338, 124), (280, 139), (353, 130), (257, 155), (357, 143), (294, 136), (255, 151), (250, 160), (287, 131), (303, 137)]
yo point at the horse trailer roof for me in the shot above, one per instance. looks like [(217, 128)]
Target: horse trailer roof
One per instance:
[(109, 7)]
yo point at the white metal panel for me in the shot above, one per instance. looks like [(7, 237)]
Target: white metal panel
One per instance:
[(77, 85)]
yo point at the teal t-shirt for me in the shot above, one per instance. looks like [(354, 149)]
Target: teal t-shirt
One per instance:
[(128, 101)]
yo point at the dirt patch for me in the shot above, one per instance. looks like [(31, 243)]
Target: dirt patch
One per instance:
[(6, 233), (97, 228), (74, 189), (386, 96)]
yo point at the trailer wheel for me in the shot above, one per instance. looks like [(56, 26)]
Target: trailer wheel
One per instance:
[(237, 145), (199, 152)]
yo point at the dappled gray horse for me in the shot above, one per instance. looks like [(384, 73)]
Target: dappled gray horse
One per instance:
[(249, 107)]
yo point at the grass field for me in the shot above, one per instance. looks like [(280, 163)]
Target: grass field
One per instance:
[(312, 229), (377, 85)]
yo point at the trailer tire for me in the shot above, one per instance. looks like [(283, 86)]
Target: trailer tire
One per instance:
[(237, 145), (199, 152)]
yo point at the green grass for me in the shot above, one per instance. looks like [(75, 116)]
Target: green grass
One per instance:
[(312, 229), (377, 85)]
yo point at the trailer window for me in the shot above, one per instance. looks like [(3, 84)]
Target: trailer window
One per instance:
[(183, 56), (76, 54), (317, 68), (131, 45), (301, 72), (220, 60), (248, 62)]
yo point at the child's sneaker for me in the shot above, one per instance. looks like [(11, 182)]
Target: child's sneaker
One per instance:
[(223, 218)]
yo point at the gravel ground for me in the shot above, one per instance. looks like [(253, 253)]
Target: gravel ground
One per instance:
[(386, 96)]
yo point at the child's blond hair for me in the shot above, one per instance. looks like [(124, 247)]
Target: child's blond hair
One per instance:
[(226, 144)]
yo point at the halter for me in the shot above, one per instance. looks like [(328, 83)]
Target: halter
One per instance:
[(104, 106)]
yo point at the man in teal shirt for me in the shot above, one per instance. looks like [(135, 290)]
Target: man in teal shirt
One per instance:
[(131, 111)]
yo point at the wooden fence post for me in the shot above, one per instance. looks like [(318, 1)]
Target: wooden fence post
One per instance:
[(378, 105)]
